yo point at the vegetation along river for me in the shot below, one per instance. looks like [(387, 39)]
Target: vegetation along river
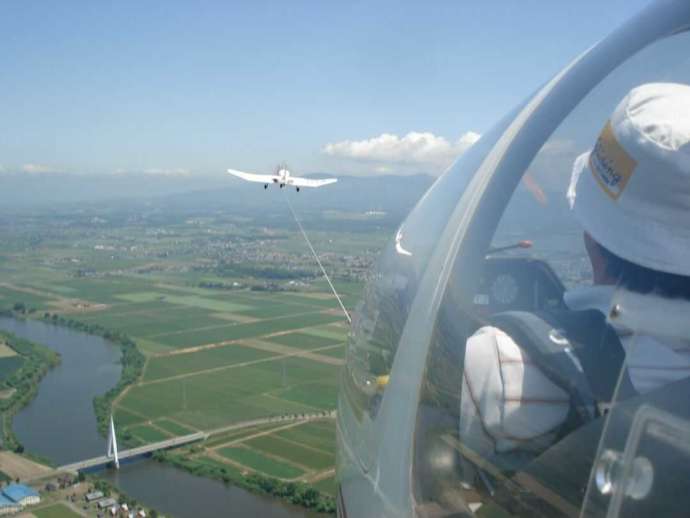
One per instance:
[(60, 425)]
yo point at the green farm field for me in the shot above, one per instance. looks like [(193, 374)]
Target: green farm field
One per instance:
[(304, 340), (193, 338), (258, 462), (55, 511), (190, 362), (251, 358), (148, 433), (172, 427), (294, 450), (302, 454), (209, 399)]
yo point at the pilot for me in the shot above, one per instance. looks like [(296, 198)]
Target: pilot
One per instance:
[(631, 194)]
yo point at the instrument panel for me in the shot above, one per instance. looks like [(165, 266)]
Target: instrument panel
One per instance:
[(518, 283)]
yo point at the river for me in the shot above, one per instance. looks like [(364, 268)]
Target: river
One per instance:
[(60, 425)]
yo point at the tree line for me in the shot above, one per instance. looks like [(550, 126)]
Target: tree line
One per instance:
[(298, 493), (24, 381)]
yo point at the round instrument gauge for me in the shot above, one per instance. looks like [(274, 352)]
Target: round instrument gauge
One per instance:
[(504, 289)]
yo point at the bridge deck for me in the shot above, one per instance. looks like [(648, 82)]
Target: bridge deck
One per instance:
[(134, 452)]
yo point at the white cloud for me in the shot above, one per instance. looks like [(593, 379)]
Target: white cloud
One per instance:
[(421, 149), (38, 168)]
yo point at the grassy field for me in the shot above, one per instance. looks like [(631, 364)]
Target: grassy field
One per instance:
[(276, 309), (328, 332), (29, 299), (124, 418), (207, 303), (304, 340), (320, 434), (209, 399), (148, 433), (319, 394), (302, 454), (173, 427), (55, 511), (238, 435), (302, 450), (227, 332), (258, 462), (186, 363), (155, 318), (335, 352)]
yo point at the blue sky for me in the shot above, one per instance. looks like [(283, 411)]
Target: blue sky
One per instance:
[(196, 87)]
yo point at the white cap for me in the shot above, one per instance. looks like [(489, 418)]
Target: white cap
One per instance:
[(631, 193)]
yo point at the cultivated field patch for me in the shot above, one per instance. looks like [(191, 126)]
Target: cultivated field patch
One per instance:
[(328, 332), (148, 433), (303, 340), (293, 452), (216, 357), (212, 399), (259, 462), (55, 511), (322, 395), (196, 301), (277, 309), (239, 331), (173, 427), (103, 290), (150, 347), (235, 435), (334, 352), (30, 300), (319, 434), (163, 318), (124, 418)]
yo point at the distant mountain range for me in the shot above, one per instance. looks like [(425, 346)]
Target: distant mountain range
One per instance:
[(395, 195)]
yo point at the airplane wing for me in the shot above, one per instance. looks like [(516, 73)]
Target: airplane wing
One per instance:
[(259, 178), (308, 182)]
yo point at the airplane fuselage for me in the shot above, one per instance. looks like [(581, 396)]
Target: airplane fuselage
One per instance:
[(283, 177)]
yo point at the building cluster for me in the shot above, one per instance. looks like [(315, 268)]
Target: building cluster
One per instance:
[(108, 506), (14, 497)]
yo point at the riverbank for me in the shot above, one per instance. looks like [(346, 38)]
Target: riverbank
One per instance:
[(20, 380), (296, 493)]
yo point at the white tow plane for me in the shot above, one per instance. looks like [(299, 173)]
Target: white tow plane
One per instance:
[(282, 177)]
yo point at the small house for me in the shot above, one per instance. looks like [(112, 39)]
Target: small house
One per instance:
[(106, 503), (94, 495)]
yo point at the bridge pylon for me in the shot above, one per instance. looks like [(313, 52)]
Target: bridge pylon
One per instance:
[(111, 452)]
